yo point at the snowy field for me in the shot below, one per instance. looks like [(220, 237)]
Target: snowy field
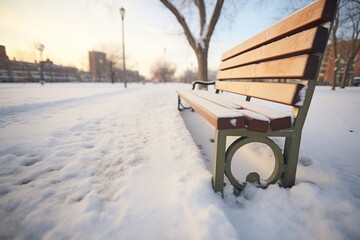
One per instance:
[(97, 161)]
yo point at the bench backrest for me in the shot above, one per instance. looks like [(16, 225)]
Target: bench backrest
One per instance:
[(290, 51)]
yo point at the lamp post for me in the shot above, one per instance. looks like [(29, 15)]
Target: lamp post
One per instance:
[(122, 13), (40, 47)]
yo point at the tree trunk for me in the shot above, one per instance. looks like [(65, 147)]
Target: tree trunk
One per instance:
[(346, 73), (334, 45), (201, 55), (344, 76), (333, 86)]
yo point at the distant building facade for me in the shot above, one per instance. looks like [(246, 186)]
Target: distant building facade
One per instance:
[(99, 67), (101, 70), (3, 53), (326, 75), (20, 71)]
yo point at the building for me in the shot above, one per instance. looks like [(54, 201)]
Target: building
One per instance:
[(3, 53), (56, 73), (20, 71), (101, 71), (98, 66), (326, 75)]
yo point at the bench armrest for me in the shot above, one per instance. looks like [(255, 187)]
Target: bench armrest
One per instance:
[(201, 83)]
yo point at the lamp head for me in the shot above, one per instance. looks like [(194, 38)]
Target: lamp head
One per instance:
[(122, 12)]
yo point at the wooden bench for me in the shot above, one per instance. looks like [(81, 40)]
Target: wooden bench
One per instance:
[(280, 65)]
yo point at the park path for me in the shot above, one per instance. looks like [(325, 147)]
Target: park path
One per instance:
[(103, 166)]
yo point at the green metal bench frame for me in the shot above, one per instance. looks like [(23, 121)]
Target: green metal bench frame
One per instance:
[(286, 160)]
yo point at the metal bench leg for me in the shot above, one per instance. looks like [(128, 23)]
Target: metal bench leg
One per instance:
[(219, 161), (180, 105), (254, 177), (291, 155)]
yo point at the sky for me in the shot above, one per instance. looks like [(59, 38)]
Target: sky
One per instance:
[(69, 29)]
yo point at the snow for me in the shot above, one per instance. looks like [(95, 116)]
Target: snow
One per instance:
[(237, 101), (215, 109), (254, 115), (233, 122), (302, 95), (97, 161), (202, 38)]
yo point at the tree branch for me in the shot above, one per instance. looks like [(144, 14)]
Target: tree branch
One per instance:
[(213, 21), (182, 22), (202, 13)]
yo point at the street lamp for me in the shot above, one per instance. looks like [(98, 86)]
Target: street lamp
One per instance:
[(122, 13), (41, 47)]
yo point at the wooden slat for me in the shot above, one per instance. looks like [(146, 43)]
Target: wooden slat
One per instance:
[(300, 67), (278, 120), (310, 41), (285, 93), (216, 98), (218, 116), (313, 15), (254, 121)]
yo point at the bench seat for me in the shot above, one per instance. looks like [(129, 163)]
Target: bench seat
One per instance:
[(218, 116), (227, 112)]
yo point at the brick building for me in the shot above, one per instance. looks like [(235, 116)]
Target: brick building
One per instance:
[(20, 71), (98, 66), (326, 75)]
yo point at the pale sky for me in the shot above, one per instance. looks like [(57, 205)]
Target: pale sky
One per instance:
[(71, 28)]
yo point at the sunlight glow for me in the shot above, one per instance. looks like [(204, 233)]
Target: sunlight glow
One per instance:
[(71, 28)]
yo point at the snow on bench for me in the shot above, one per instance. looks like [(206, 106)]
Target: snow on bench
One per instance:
[(278, 119), (219, 116)]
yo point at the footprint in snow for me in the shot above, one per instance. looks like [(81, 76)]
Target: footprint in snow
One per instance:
[(305, 161), (87, 146), (26, 181), (30, 162)]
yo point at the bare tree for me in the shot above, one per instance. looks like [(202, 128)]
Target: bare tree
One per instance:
[(352, 25), (345, 40), (199, 43), (334, 40), (188, 76), (163, 72), (113, 54)]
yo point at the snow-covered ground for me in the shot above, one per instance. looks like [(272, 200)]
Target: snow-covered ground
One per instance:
[(97, 161)]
